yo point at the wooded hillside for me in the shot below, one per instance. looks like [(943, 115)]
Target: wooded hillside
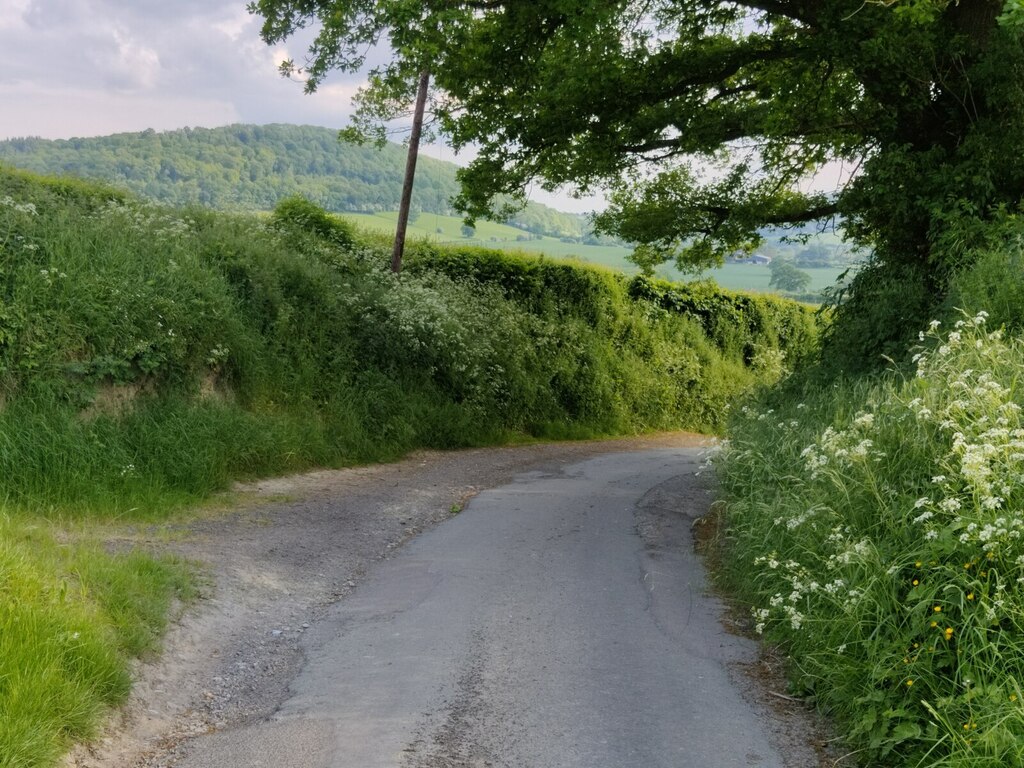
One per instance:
[(252, 167)]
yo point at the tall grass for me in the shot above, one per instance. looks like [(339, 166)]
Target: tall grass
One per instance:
[(876, 528), (70, 616)]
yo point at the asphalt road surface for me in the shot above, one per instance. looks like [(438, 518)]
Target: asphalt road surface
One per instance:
[(559, 621)]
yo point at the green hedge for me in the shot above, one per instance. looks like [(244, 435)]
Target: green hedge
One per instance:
[(737, 322), (149, 355)]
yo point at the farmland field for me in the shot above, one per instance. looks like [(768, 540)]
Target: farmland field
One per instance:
[(448, 229), (752, 277)]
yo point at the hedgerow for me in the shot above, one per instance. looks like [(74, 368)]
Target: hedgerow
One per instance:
[(121, 320), (149, 356)]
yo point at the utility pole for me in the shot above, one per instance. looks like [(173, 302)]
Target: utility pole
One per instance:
[(410, 172)]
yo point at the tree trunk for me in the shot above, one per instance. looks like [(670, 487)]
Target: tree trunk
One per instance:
[(410, 172), (976, 19)]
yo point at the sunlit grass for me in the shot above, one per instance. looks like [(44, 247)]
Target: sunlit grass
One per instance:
[(71, 615)]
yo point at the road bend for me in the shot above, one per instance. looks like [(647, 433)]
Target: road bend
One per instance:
[(560, 621)]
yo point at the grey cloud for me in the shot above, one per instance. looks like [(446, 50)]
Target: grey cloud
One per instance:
[(47, 15), (186, 51)]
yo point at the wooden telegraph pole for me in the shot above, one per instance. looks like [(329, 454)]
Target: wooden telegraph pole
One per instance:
[(410, 172)]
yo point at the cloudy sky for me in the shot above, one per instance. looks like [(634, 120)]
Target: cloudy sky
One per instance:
[(93, 67)]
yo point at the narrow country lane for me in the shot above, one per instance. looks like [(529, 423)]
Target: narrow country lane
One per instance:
[(560, 621)]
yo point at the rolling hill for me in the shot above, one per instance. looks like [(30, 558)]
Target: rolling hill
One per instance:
[(251, 167)]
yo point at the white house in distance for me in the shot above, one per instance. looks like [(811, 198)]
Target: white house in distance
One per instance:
[(742, 258)]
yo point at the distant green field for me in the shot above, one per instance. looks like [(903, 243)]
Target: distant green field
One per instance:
[(751, 277), (445, 229), (448, 229)]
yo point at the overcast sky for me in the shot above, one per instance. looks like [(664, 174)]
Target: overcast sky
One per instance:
[(93, 67)]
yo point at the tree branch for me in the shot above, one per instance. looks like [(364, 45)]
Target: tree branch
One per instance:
[(795, 11)]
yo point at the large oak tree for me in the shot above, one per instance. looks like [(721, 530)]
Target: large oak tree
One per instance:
[(706, 119)]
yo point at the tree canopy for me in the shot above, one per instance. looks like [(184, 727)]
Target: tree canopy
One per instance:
[(787, 276), (706, 119)]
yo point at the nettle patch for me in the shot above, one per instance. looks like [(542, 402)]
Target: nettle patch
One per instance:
[(888, 549)]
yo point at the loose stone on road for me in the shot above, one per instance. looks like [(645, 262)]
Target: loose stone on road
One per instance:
[(559, 621)]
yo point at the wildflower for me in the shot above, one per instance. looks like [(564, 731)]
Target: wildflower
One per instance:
[(937, 609), (861, 449), (909, 683), (970, 595), (914, 582), (949, 633), (950, 505), (864, 420)]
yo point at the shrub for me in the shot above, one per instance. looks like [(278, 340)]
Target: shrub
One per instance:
[(994, 281), (296, 215)]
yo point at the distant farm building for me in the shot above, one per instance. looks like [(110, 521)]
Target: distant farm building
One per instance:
[(742, 258)]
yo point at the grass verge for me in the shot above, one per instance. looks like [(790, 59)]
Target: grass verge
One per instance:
[(875, 529), (71, 616)]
